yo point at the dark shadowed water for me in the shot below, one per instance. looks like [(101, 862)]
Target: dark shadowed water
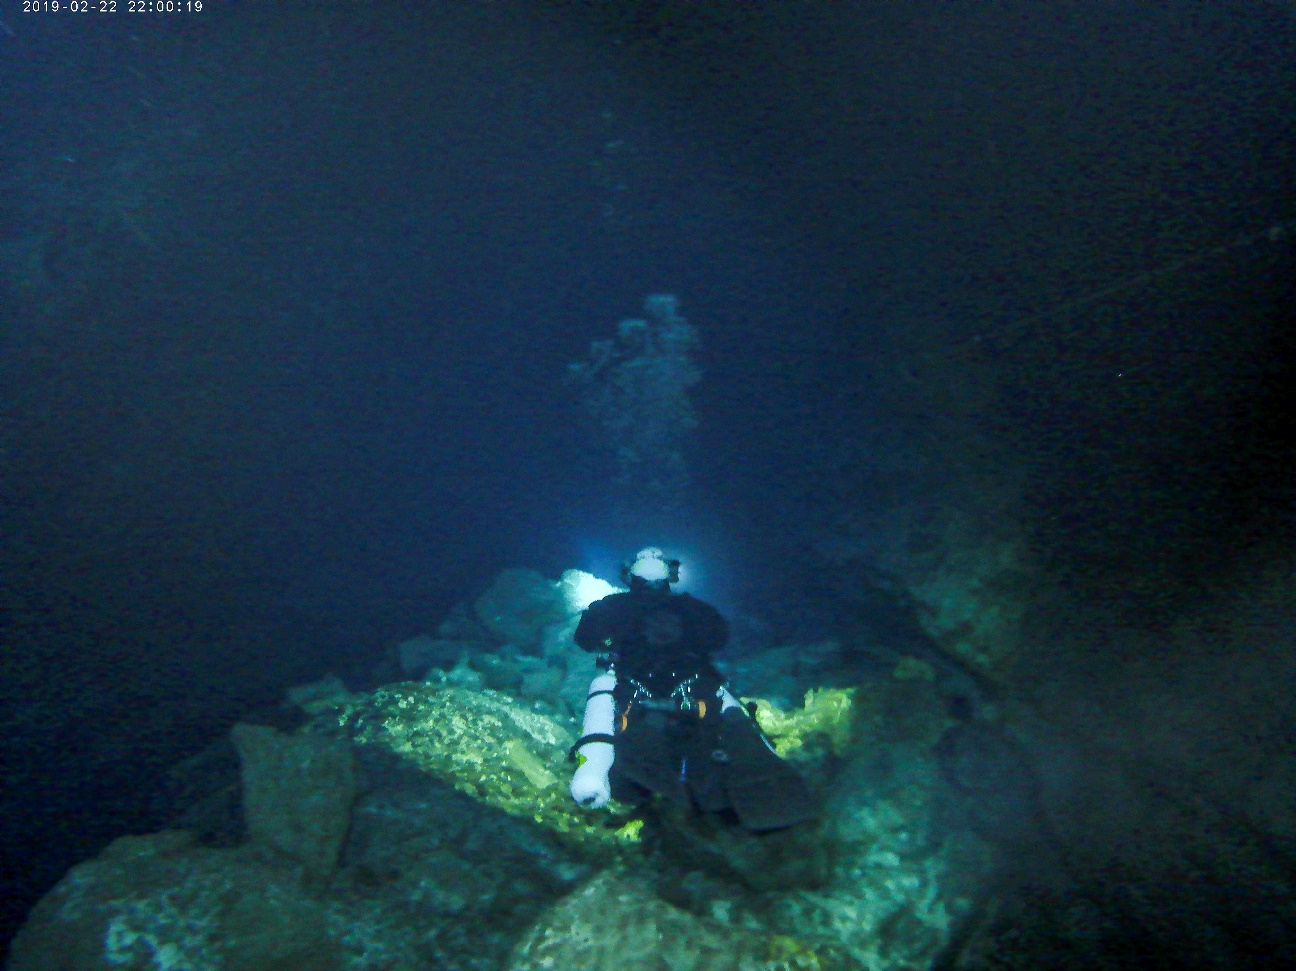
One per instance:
[(289, 296)]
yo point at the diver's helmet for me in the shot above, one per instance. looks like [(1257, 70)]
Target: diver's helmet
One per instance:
[(650, 568)]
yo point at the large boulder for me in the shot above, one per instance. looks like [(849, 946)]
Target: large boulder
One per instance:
[(493, 747), (519, 605), (297, 794), (465, 838), (614, 923), (160, 901)]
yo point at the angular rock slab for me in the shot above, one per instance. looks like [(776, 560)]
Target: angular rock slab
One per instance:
[(297, 794)]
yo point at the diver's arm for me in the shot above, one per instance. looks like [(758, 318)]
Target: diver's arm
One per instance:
[(586, 634), (597, 626)]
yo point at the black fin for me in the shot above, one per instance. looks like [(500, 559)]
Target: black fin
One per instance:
[(765, 792)]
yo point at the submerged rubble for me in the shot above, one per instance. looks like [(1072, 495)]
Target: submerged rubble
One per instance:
[(463, 848)]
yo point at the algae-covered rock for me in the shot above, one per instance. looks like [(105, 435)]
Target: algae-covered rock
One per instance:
[(826, 715), (466, 834), (784, 673), (465, 837), (153, 902), (428, 879), (486, 744), (884, 902), (517, 639), (297, 793), (614, 923)]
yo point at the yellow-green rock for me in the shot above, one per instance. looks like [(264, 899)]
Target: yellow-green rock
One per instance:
[(487, 744), (827, 712)]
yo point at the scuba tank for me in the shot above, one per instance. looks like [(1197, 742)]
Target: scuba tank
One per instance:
[(593, 751)]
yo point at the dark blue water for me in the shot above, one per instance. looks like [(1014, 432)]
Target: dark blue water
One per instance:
[(287, 298)]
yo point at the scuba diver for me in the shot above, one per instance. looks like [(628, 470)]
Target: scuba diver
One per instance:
[(659, 719)]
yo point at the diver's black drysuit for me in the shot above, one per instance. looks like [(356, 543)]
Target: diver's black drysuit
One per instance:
[(674, 735)]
